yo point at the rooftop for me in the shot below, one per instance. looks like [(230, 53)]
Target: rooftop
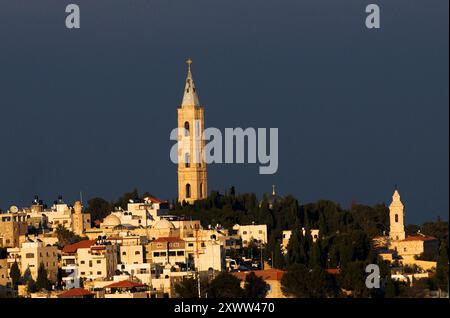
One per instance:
[(419, 237), (126, 284), (266, 274), (76, 292), (171, 239), (72, 248)]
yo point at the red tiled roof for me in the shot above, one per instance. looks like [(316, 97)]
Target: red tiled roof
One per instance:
[(72, 248), (124, 284), (266, 274), (76, 292), (170, 239), (419, 238), (154, 200), (333, 271)]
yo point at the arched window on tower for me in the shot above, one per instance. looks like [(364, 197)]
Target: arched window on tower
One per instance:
[(187, 159), (201, 190), (186, 129), (396, 218), (188, 190)]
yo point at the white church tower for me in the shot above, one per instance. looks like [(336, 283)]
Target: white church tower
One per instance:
[(396, 217)]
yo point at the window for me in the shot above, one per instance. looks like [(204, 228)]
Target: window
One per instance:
[(99, 273), (29, 255), (82, 273), (172, 253), (155, 254), (396, 218), (188, 190), (163, 254), (187, 160), (124, 253), (180, 253), (82, 262), (201, 190), (90, 264), (186, 129), (137, 253), (244, 232), (99, 261), (260, 232)]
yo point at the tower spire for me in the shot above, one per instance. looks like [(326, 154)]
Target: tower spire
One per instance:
[(190, 97)]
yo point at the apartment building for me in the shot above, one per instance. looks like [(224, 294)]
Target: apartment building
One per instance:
[(33, 253), (167, 250), (251, 233), (90, 260)]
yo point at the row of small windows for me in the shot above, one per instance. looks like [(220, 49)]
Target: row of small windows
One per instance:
[(31, 255), (135, 253), (99, 261), (171, 253), (91, 273)]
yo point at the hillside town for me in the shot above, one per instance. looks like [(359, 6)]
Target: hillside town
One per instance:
[(153, 248)]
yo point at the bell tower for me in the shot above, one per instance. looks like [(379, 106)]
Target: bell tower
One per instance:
[(396, 217), (192, 177)]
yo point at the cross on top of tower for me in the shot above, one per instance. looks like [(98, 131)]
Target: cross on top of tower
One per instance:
[(190, 97), (189, 62)]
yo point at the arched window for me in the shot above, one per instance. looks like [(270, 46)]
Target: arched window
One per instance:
[(188, 190), (396, 218), (201, 190), (187, 159), (186, 129)]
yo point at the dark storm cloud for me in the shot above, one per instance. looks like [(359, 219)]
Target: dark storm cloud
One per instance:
[(357, 110)]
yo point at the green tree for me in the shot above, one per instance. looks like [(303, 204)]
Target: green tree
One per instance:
[(187, 288), (255, 286), (99, 209), (297, 247), (316, 256), (125, 199), (42, 281), (353, 278), (302, 282), (390, 289), (225, 285), (442, 268), (14, 273), (66, 237), (32, 286)]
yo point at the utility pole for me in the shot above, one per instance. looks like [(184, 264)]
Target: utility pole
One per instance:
[(197, 265), (261, 255)]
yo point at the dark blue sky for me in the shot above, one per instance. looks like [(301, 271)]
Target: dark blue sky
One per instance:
[(358, 110)]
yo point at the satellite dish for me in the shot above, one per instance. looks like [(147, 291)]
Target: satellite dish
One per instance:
[(14, 209)]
